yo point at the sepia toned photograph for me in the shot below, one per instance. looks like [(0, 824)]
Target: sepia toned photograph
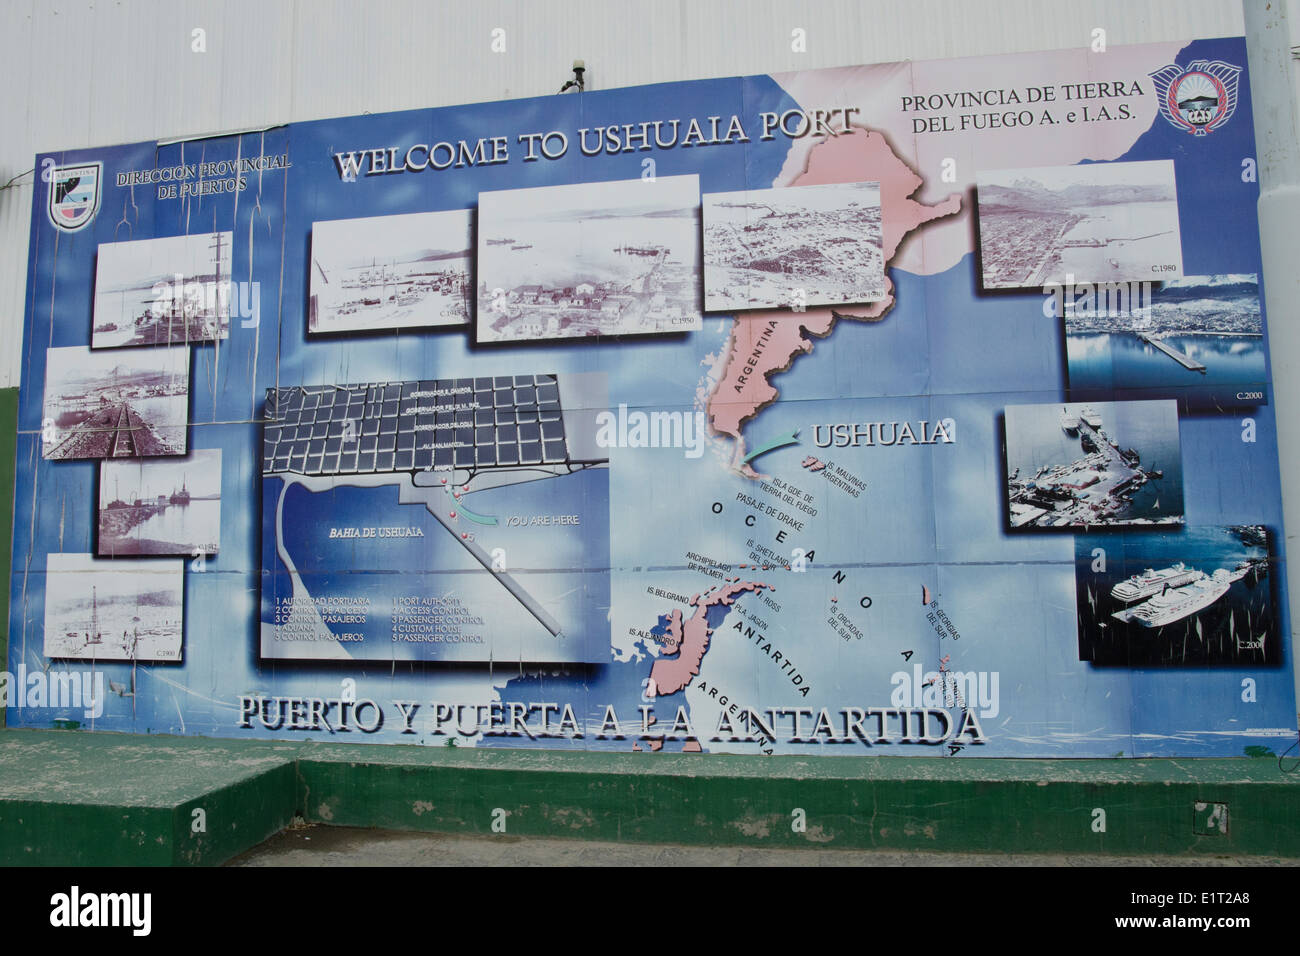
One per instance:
[(168, 506), (115, 404), (1078, 465), (563, 262), (794, 247), (170, 291), (1098, 222), (128, 610), (391, 272)]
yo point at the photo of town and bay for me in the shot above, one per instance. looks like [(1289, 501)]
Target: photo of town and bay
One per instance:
[(615, 258), (164, 506), (125, 610), (1198, 597), (169, 291), (1198, 333), (1098, 222), (130, 403), (787, 248), (391, 272), (1076, 465)]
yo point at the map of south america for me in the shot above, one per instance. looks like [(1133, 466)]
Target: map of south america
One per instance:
[(764, 343)]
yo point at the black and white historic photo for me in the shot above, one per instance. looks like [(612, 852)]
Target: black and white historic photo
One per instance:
[(164, 506), (616, 258), (122, 610), (1098, 222), (170, 291), (130, 403), (391, 272), (793, 247)]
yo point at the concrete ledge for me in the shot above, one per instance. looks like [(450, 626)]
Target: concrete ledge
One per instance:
[(76, 798), (959, 805)]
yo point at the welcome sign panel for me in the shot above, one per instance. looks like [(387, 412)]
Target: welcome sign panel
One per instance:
[(916, 408)]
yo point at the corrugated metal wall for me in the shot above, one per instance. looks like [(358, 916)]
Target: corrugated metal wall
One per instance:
[(80, 73)]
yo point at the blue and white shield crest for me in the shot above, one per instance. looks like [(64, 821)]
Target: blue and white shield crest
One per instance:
[(74, 195), (1198, 98)]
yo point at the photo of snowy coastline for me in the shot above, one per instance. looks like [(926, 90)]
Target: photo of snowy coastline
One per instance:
[(1097, 222)]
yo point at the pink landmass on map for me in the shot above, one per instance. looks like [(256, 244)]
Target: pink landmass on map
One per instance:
[(669, 675), (672, 639), (767, 342)]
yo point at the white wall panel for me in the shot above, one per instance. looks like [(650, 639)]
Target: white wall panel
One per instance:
[(80, 73)]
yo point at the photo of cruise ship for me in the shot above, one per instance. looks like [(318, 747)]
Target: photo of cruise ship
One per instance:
[(1203, 596), (1175, 603), (1151, 582)]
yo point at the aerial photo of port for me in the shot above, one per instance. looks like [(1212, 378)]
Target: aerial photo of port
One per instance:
[(591, 259), (170, 291), (115, 404), (1198, 597), (122, 610), (1100, 222), (785, 248), (1190, 332), (1076, 466), (391, 272), (162, 506)]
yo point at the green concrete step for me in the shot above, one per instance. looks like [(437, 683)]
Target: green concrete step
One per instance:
[(79, 798), (958, 805), (69, 798)]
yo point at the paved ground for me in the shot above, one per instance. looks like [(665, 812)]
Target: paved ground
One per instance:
[(346, 846)]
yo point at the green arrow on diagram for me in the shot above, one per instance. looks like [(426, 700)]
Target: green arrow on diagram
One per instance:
[(476, 518), (777, 442)]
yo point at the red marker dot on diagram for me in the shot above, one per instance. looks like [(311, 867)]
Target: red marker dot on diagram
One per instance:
[(444, 481), (464, 534), (456, 495), (464, 488), (453, 514)]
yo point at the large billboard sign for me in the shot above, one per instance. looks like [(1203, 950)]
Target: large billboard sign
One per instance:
[(919, 408)]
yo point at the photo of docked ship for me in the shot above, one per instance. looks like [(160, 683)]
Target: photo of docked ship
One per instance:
[(1098, 222), (166, 506), (1199, 597), (170, 291), (589, 259), (1200, 335), (391, 272), (1076, 466)]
